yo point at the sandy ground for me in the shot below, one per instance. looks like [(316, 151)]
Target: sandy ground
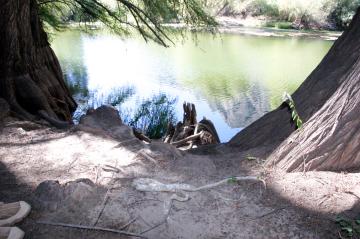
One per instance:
[(296, 205)]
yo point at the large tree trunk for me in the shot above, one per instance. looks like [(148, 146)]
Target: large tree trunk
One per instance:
[(31, 79), (329, 102)]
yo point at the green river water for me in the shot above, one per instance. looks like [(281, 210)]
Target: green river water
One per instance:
[(232, 79)]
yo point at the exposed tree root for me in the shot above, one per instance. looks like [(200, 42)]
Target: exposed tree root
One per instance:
[(55, 122), (91, 228), (151, 185)]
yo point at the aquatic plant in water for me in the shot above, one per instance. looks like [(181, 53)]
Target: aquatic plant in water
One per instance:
[(153, 116)]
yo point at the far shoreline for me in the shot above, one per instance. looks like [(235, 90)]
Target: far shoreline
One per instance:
[(274, 32), (240, 28)]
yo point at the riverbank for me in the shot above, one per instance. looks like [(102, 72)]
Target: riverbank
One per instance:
[(248, 26), (260, 27), (94, 167)]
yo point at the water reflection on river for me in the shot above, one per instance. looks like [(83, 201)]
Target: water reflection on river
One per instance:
[(232, 79)]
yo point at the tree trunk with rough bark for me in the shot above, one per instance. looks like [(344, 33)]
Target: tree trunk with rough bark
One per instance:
[(31, 79), (329, 104)]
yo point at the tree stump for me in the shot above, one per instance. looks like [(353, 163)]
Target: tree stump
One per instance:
[(189, 132)]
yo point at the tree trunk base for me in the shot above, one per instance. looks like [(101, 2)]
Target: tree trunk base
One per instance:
[(31, 79)]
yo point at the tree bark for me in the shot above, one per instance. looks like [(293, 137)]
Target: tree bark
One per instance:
[(328, 101), (330, 140), (31, 79)]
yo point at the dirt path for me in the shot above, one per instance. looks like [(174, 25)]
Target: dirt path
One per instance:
[(300, 205)]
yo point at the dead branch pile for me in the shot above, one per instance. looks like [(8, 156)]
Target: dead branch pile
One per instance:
[(189, 132)]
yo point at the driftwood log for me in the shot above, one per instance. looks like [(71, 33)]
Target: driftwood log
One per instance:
[(189, 132)]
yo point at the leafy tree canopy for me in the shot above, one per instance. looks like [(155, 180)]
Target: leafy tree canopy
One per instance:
[(146, 16)]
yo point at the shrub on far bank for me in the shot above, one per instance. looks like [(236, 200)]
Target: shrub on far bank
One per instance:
[(304, 14), (279, 25)]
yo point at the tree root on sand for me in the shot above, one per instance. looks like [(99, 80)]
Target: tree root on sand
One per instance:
[(152, 185)]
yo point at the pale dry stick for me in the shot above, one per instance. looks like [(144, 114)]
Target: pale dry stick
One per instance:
[(224, 181), (106, 198), (264, 215), (146, 222), (90, 228), (145, 155), (190, 138), (103, 205), (71, 165), (152, 228), (128, 224), (195, 132), (324, 198), (144, 200), (269, 213), (340, 236), (97, 174), (109, 168)]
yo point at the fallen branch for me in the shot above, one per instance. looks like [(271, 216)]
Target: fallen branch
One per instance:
[(90, 228), (141, 136), (190, 138), (153, 227), (128, 224), (227, 180), (107, 194), (193, 141), (264, 215), (102, 208), (269, 213)]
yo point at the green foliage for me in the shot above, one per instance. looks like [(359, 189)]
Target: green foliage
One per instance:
[(328, 13), (279, 24), (119, 96), (232, 180), (284, 25), (77, 88), (153, 116), (294, 114), (251, 158), (351, 228), (121, 16), (342, 12), (261, 7), (52, 15)]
